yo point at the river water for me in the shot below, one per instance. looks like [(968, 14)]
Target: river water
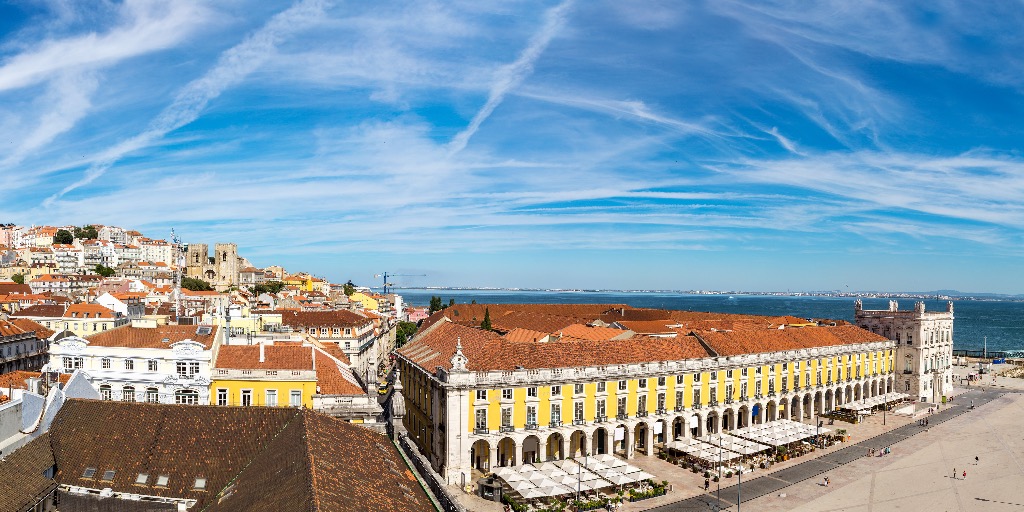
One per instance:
[(1001, 322)]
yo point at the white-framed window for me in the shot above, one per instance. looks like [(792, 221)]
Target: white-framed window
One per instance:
[(556, 412), (578, 389), (128, 394), (642, 383), (506, 394), (728, 374), (152, 365), (556, 391), (602, 387), (531, 392), (714, 376), (696, 397), (323, 331), (577, 413), (105, 363), (222, 396), (621, 406), (743, 372), (641, 403), (714, 395), (696, 377), (661, 401), (152, 395), (246, 397), (622, 385), (295, 398), (481, 419), (661, 381), (186, 396), (531, 414), (679, 398), (105, 392), (600, 408), (506, 416), (348, 331), (271, 397), (129, 364), (336, 331), (481, 394)]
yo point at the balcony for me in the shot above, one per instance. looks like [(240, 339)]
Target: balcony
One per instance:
[(660, 411), (555, 424), (713, 403), (697, 406), (641, 414), (908, 372), (758, 396), (622, 416), (579, 422), (744, 398), (771, 394), (507, 428), (679, 407), (600, 419), (728, 401), (481, 431), (531, 426)]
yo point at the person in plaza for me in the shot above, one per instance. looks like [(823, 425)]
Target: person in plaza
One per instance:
[(965, 474), (707, 484), (976, 460), (954, 473)]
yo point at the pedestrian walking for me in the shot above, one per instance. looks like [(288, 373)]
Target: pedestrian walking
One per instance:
[(707, 484), (826, 481), (954, 473), (965, 474), (976, 460)]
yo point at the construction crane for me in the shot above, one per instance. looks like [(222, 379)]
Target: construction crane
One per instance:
[(385, 275)]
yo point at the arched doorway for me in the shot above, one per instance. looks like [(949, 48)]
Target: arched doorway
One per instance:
[(728, 419), (696, 426), (480, 454), (829, 401), (661, 431), (507, 452), (819, 403), (622, 439), (771, 411), (578, 444), (794, 409), (600, 443), (531, 449), (678, 427), (807, 407), (741, 417), (874, 388), (640, 437), (556, 447), (712, 422)]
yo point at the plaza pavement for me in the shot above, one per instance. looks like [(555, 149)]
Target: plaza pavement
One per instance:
[(916, 476)]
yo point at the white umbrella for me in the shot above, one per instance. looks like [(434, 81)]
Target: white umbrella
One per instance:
[(531, 493), (512, 477), (522, 485)]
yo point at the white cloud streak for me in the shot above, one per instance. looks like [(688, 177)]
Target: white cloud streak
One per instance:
[(233, 66), (509, 76)]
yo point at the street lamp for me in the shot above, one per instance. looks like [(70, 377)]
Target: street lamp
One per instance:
[(739, 488), (718, 493)]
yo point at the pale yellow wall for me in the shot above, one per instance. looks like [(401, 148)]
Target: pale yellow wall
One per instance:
[(259, 388)]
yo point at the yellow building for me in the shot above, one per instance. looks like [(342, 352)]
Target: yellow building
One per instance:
[(368, 302), (505, 399), (264, 375), (81, 319)]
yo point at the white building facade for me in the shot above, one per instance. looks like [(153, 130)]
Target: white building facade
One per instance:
[(924, 347), (143, 362)]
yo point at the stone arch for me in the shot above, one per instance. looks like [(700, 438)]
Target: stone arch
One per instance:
[(663, 434), (742, 415), (728, 419), (697, 426), (600, 443), (578, 444), (757, 413), (819, 403), (771, 411), (623, 444), (866, 390), (678, 427), (711, 422), (857, 392), (556, 446), (506, 452), (807, 406), (640, 436), (531, 449), (480, 455), (874, 388), (794, 408), (889, 384), (829, 400)]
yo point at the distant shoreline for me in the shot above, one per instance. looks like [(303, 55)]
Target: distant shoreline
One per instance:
[(827, 294)]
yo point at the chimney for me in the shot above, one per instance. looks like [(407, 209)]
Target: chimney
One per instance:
[(262, 354)]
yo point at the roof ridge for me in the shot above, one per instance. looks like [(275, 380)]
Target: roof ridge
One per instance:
[(255, 456)]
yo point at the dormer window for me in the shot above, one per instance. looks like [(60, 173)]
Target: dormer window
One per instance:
[(161, 481), (142, 479), (108, 475), (89, 473), (200, 484)]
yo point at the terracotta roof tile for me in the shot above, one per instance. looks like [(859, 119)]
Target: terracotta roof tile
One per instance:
[(753, 341), (335, 379), (335, 318), (276, 357), (137, 337), (22, 478)]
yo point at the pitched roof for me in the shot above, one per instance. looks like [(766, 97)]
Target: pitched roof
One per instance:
[(42, 311), (752, 341), (22, 474), (335, 318), (335, 379), (489, 351), (82, 310), (138, 337), (9, 329), (253, 458), (12, 287), (276, 357), (648, 326), (587, 332), (31, 325)]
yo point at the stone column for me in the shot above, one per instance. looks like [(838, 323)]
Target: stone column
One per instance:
[(629, 441), (649, 442), (542, 450), (492, 456)]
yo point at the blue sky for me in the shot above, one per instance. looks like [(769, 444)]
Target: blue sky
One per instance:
[(619, 144)]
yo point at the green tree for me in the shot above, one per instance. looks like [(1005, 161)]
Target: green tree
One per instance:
[(435, 304), (451, 302), (405, 331), (268, 287), (486, 324), (349, 288), (105, 271), (63, 236), (195, 284), (18, 278), (86, 232)]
